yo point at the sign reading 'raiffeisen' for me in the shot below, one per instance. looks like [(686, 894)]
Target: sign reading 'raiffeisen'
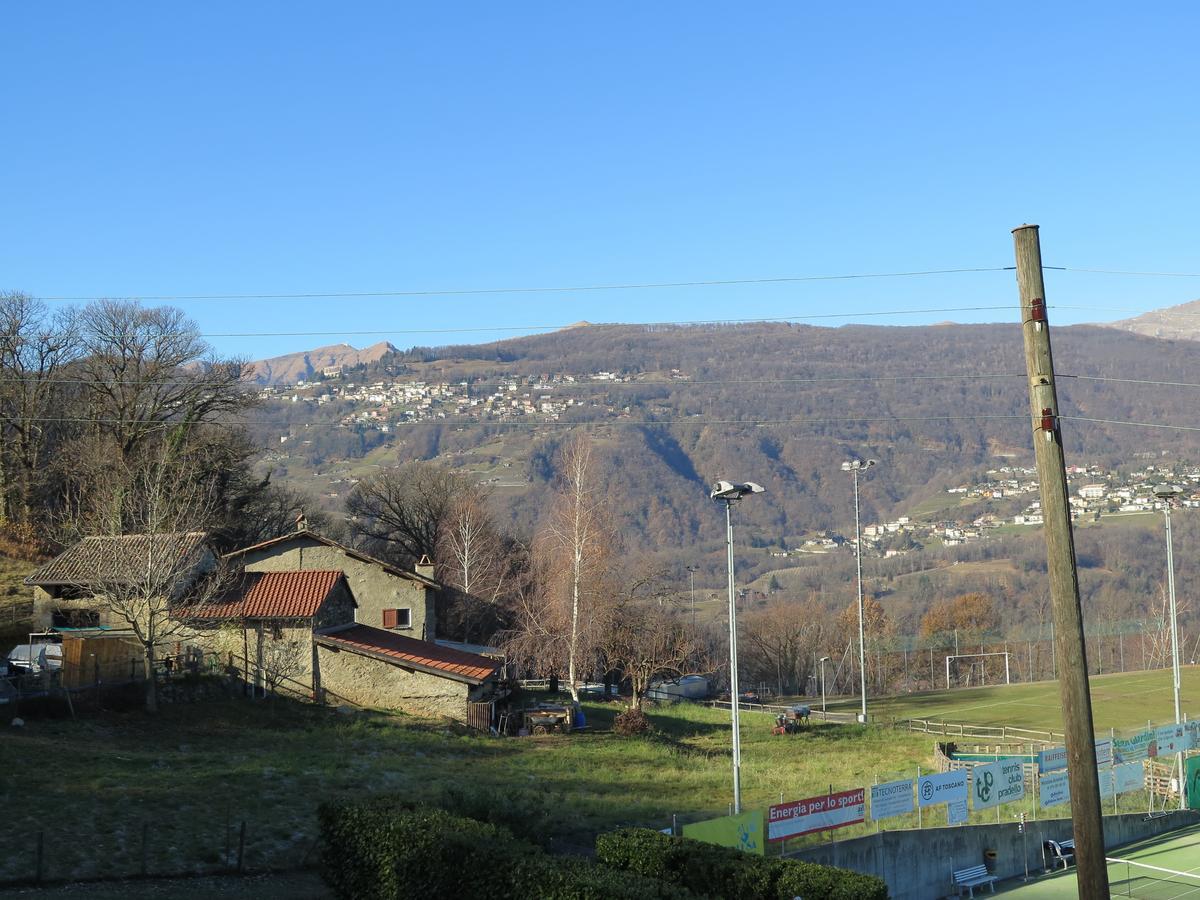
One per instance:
[(945, 787), (824, 813), (1052, 759), (996, 783), (895, 798)]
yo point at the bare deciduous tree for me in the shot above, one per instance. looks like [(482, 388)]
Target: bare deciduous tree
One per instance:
[(154, 578), (403, 512), (36, 347), (648, 639)]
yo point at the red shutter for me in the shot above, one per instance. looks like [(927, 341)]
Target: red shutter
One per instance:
[(389, 618)]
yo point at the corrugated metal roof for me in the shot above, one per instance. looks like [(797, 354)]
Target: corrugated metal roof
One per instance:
[(349, 551), (425, 656), (273, 595), (96, 560)]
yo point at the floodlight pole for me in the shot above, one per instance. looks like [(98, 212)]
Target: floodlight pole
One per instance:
[(734, 695), (692, 573), (824, 659), (1074, 694), (854, 467), (1175, 674)]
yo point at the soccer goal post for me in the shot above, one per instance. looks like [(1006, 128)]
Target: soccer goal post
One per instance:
[(1004, 653)]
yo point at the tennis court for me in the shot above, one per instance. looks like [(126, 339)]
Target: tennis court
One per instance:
[(1161, 868)]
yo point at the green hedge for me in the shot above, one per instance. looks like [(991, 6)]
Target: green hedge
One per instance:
[(725, 872), (386, 850)]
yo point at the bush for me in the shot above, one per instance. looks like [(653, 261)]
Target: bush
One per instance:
[(387, 849), (724, 872), (526, 814), (632, 721)]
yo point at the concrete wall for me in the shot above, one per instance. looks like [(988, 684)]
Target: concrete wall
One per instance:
[(374, 588), (364, 681), (917, 863)]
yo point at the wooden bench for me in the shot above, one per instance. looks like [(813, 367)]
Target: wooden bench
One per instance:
[(975, 876), (1056, 852)]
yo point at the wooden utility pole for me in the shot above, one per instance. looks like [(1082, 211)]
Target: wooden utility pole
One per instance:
[(1086, 812)]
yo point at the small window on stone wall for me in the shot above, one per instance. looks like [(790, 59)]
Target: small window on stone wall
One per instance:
[(397, 618), (276, 633)]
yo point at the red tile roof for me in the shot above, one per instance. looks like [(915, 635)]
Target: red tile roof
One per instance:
[(273, 595), (424, 656)]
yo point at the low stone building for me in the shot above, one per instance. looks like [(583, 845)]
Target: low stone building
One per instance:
[(266, 620), (387, 596), (379, 668), (68, 591)]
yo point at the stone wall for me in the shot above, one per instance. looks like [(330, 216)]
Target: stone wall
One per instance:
[(343, 676), (917, 863), (374, 588)]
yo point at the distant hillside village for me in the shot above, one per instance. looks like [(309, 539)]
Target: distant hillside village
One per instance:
[(384, 405), (1097, 493)]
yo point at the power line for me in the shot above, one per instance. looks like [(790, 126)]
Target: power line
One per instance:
[(682, 323), (1124, 272), (1139, 424), (1132, 381), (466, 292), (477, 423), (542, 387)]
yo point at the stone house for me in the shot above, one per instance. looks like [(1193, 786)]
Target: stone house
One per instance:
[(386, 596), (68, 590), (268, 619), (378, 668)]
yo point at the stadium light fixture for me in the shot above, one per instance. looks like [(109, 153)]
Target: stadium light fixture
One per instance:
[(1167, 494), (854, 466), (729, 493)]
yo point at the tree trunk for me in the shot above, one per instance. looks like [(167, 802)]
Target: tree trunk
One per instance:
[(151, 685)]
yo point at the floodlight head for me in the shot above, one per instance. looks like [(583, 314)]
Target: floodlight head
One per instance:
[(1166, 491), (826, 659), (854, 465), (730, 491)]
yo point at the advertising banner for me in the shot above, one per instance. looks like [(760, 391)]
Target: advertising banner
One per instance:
[(1108, 783), (996, 783), (1134, 749), (941, 788), (824, 813), (1172, 739), (1104, 752), (1191, 782), (744, 832), (1052, 759), (895, 798), (1055, 790), (956, 812), (1129, 777)]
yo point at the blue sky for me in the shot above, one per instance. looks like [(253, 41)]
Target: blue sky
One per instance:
[(183, 149)]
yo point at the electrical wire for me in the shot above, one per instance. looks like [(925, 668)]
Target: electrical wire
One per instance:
[(1162, 425), (522, 381), (682, 323), (477, 423), (467, 292), (1124, 272)]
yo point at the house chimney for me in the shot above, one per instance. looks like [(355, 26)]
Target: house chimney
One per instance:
[(301, 521), (424, 566)]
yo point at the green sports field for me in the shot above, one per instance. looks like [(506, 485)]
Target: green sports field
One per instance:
[(1143, 876), (1124, 702)]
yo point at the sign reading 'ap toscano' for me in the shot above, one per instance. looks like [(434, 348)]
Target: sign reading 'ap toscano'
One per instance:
[(785, 820), (996, 783), (945, 787)]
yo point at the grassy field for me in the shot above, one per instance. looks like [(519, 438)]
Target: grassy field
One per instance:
[(1123, 701), (90, 785)]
